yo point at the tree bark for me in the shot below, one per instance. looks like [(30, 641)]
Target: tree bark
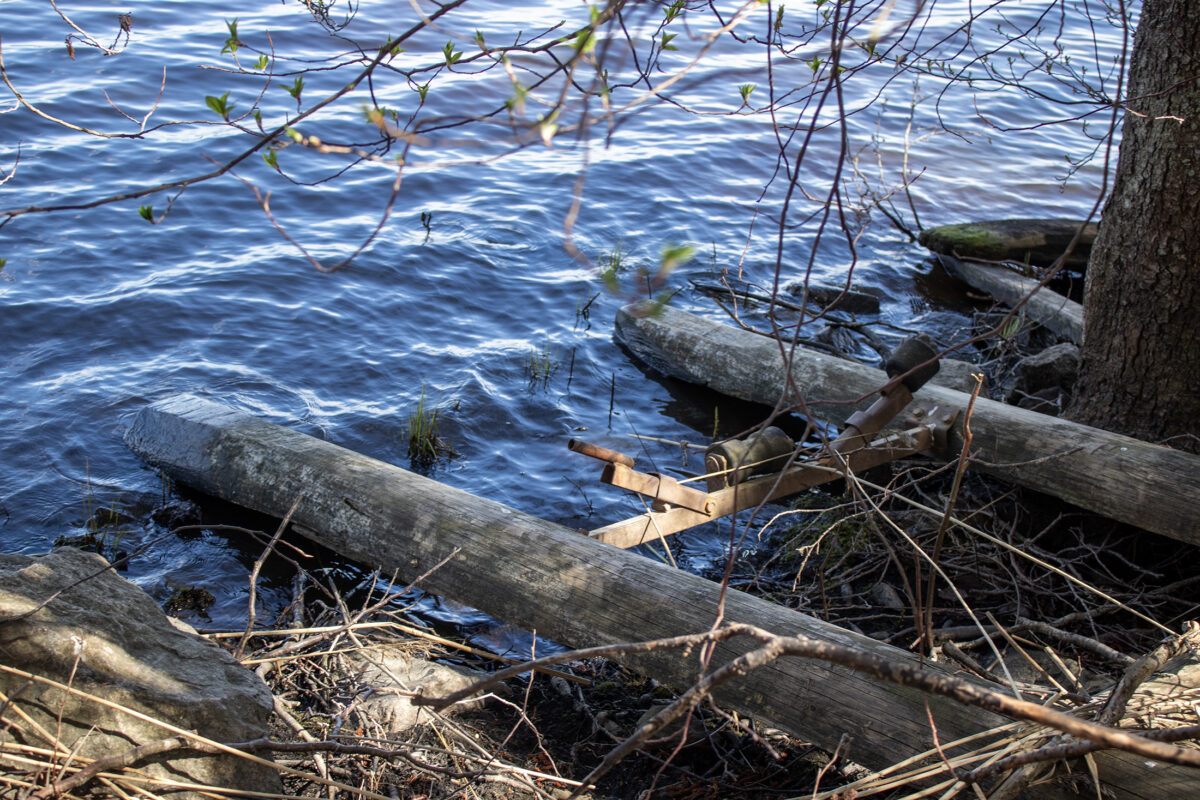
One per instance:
[(1140, 371)]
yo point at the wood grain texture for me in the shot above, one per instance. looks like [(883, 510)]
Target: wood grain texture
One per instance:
[(557, 582), (532, 573), (1143, 484)]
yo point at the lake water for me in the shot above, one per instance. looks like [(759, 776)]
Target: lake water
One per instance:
[(102, 312)]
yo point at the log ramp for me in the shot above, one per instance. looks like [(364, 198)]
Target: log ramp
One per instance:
[(559, 583), (1146, 485)]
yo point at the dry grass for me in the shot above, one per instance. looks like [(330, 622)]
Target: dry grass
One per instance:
[(1054, 606)]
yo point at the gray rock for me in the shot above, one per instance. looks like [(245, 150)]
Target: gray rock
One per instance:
[(389, 676), (1053, 368), (883, 594), (955, 374), (108, 638), (1035, 241)]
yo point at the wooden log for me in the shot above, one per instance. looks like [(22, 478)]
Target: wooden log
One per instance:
[(1060, 314), (1028, 241), (532, 573), (1143, 484), (557, 582)]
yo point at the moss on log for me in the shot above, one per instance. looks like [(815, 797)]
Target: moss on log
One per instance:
[(1028, 241)]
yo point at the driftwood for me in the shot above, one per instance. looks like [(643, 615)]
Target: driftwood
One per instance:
[(1060, 314), (557, 582), (1028, 241), (1146, 485)]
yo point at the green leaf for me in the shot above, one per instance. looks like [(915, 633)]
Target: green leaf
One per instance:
[(272, 159), (258, 118), (548, 127), (232, 43), (815, 63), (745, 89), (389, 48), (674, 10), (3, 261), (1011, 328), (220, 105), (262, 62), (451, 55), (665, 43), (147, 213), (779, 19), (296, 88), (423, 90), (675, 255), (585, 40)]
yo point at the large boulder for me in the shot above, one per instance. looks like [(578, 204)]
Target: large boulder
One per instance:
[(106, 637)]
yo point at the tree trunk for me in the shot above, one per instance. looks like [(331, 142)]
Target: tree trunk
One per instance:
[(1140, 372)]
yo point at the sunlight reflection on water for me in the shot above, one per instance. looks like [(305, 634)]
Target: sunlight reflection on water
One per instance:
[(104, 313)]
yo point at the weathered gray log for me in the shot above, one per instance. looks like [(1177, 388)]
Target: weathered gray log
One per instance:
[(530, 572), (1060, 314), (1146, 485), (555, 581), (1028, 241)]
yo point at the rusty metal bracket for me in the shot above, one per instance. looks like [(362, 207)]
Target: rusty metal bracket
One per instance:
[(750, 493), (732, 466), (939, 419)]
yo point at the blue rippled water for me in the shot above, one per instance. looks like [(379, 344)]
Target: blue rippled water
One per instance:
[(101, 312)]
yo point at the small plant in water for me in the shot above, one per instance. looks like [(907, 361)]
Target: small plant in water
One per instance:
[(611, 265), (104, 527), (583, 311), (541, 364), (425, 445)]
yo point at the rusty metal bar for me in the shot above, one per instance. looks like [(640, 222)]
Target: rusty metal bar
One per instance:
[(862, 426), (601, 453)]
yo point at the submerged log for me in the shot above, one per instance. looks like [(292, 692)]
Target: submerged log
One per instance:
[(552, 580), (1060, 314), (1028, 241), (1146, 485)]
